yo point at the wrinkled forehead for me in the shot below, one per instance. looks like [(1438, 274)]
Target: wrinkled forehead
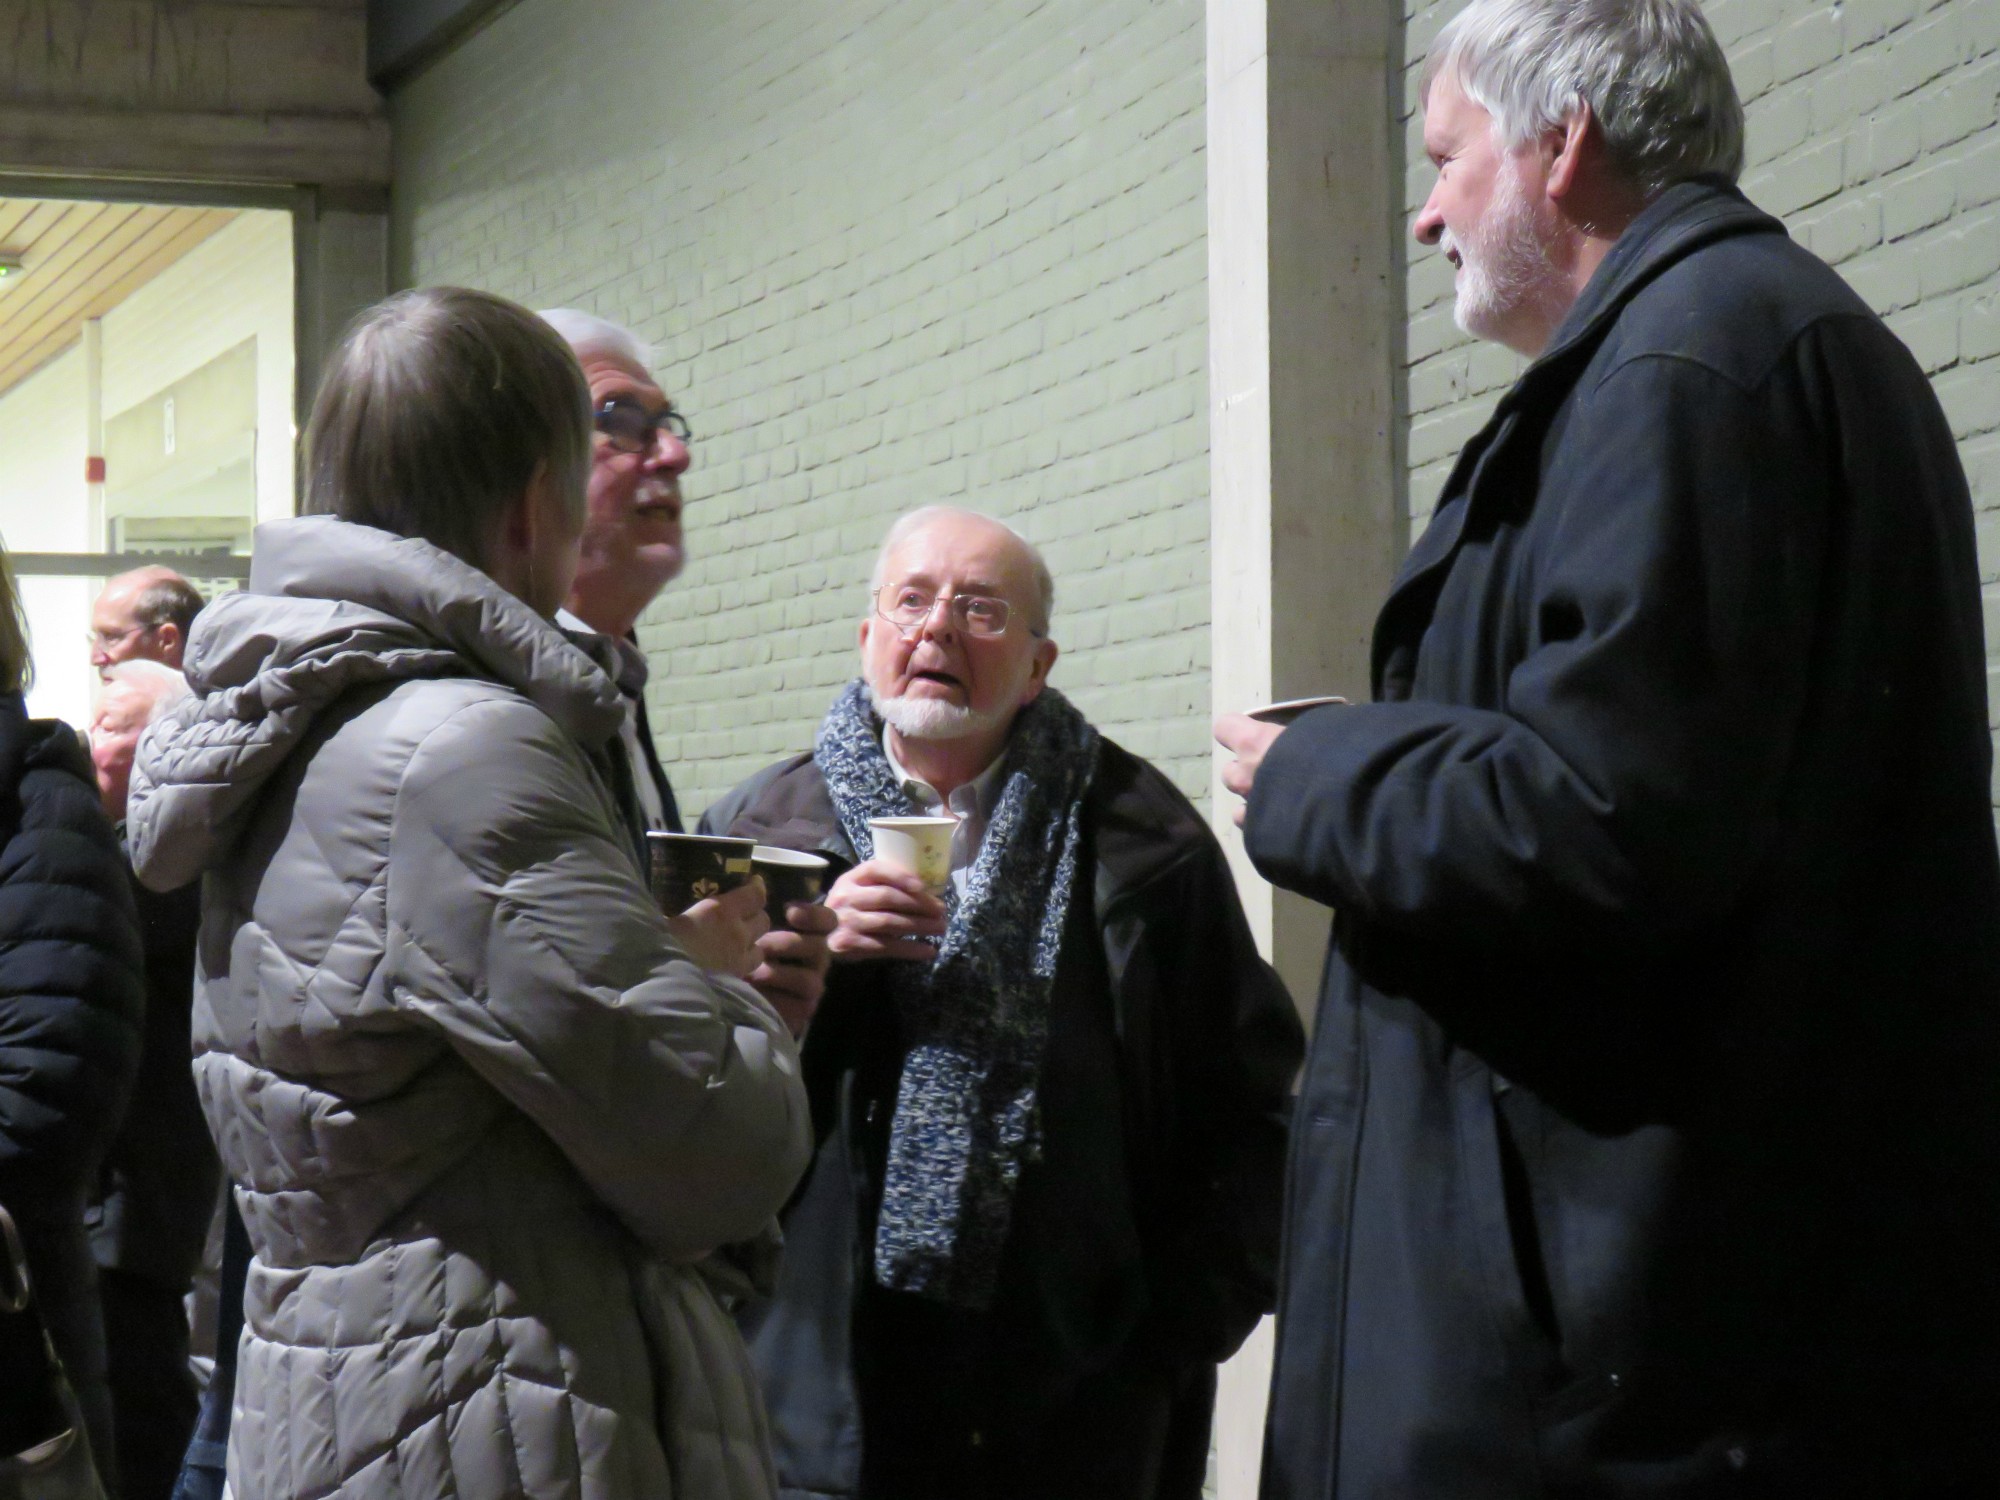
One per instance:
[(116, 603), (970, 556), (1450, 114), (610, 375)]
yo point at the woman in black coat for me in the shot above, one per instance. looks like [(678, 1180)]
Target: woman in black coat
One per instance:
[(70, 1008)]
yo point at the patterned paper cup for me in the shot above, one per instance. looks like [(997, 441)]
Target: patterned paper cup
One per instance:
[(690, 867), (788, 875)]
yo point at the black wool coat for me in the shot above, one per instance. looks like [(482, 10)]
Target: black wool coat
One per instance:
[(1648, 1144), (1144, 1241)]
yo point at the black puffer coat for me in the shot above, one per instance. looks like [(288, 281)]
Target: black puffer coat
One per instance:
[(71, 999)]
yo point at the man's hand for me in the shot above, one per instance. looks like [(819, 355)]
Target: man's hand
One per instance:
[(1247, 739), (884, 913), (793, 974), (721, 932)]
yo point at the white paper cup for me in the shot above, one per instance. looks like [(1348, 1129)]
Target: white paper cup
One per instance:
[(916, 846), (1290, 709)]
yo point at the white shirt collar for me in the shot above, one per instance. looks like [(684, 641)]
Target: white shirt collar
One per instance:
[(976, 796)]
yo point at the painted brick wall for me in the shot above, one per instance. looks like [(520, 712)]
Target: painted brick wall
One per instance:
[(1874, 133), (889, 255)]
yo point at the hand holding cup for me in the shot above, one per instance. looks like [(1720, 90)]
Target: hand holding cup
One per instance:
[(721, 933), (884, 912), (793, 974)]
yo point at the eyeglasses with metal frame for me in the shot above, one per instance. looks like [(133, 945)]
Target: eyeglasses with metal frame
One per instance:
[(99, 640), (631, 428), (907, 608)]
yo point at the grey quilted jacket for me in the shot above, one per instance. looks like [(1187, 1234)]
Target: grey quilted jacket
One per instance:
[(483, 1116)]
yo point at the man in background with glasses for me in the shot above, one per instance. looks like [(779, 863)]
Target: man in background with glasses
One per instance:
[(143, 615), (633, 547), (1050, 1094)]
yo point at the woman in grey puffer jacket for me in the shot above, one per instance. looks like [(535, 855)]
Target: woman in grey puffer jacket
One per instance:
[(484, 1116)]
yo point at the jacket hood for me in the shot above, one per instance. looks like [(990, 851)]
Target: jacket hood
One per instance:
[(331, 607)]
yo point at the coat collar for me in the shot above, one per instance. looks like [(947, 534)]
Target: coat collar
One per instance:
[(1673, 226), (1683, 219)]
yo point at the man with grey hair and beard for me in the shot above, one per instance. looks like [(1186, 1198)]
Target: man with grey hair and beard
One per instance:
[(1650, 1144), (1049, 1096)]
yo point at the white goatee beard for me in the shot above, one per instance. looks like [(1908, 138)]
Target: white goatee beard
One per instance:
[(932, 718)]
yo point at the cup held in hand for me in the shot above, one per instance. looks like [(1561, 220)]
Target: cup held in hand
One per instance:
[(789, 875), (916, 846), (691, 867), (1290, 709)]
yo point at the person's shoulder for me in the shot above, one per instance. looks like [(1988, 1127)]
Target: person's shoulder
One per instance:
[(56, 789), (1142, 822), (1738, 307), (463, 726), (785, 803)]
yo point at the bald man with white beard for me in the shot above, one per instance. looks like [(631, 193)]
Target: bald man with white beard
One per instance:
[(1050, 1100)]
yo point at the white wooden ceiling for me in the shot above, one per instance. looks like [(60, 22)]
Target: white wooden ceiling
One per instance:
[(80, 261)]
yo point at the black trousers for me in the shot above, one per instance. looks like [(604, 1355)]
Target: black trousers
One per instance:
[(153, 1394), (940, 1420)]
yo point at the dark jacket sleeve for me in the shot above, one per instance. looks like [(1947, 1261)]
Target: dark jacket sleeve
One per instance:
[(1628, 782), (70, 975), (1221, 1045)]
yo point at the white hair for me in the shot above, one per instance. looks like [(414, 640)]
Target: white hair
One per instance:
[(587, 334), (907, 526), (156, 682), (1651, 71)]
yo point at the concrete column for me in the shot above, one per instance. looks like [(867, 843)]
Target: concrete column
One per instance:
[(340, 250), (1305, 338)]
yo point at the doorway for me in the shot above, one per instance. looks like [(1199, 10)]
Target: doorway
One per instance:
[(147, 399)]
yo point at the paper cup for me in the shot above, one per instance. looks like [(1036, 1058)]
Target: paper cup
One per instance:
[(788, 875), (916, 846), (1290, 709), (689, 867)]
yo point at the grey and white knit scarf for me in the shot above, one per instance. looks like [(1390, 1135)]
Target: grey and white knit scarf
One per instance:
[(967, 1113)]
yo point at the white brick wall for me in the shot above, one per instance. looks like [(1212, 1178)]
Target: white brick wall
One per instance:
[(1874, 132), (889, 255)]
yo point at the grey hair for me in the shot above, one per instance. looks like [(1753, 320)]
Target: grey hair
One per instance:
[(435, 413), (1651, 71), (168, 599), (160, 685), (587, 334), (910, 524)]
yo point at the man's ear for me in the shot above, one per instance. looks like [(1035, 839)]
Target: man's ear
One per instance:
[(1564, 148), (1046, 652), (169, 633)]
